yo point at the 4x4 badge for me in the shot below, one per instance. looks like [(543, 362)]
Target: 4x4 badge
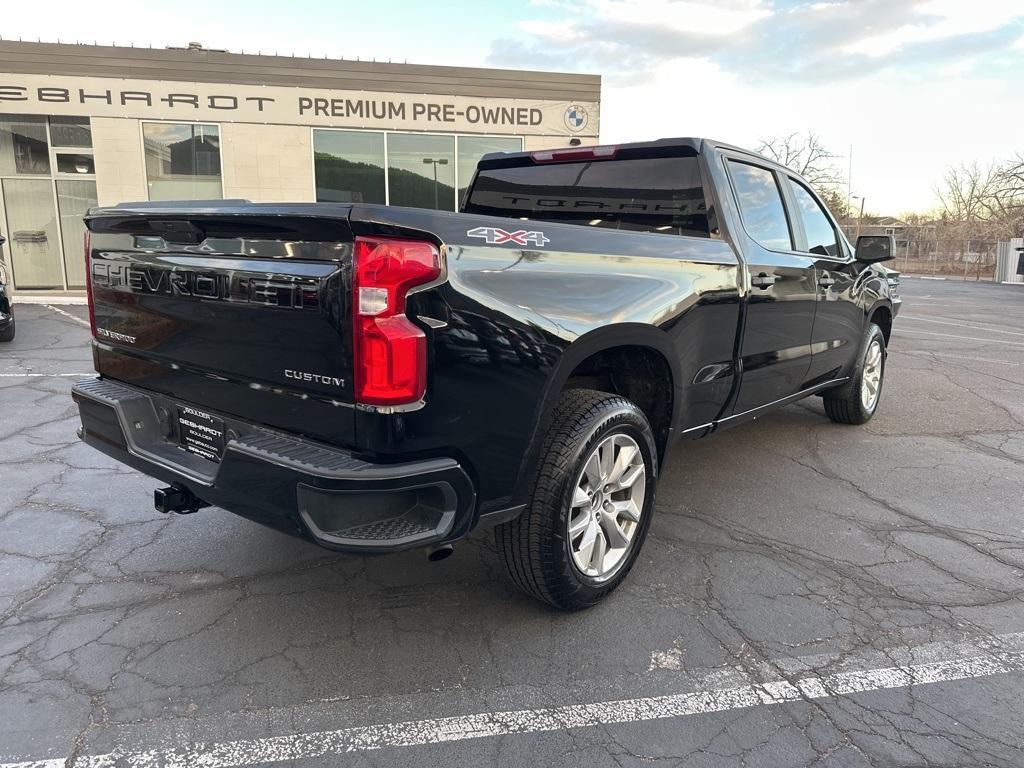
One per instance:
[(496, 236)]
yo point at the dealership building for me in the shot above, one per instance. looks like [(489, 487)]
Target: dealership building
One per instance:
[(82, 125)]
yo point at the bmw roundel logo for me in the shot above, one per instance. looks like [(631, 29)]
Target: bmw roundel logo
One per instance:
[(576, 118)]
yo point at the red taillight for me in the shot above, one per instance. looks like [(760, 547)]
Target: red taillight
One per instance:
[(88, 281), (573, 154), (390, 351)]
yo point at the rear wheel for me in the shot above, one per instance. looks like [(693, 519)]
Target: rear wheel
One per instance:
[(591, 505), (856, 401)]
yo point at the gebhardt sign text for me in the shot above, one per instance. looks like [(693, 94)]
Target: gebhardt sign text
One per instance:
[(164, 100)]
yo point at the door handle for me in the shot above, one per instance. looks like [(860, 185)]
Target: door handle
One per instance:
[(827, 282), (763, 280)]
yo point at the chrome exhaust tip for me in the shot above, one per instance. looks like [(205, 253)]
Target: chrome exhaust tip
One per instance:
[(440, 552)]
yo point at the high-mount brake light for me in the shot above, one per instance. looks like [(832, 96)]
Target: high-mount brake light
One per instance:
[(87, 244), (606, 152), (390, 351)]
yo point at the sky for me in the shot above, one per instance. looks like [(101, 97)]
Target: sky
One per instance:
[(912, 86)]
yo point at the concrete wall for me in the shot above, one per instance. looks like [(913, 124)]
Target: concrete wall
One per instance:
[(120, 169), (267, 163)]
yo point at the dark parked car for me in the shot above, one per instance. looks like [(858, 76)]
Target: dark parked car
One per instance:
[(6, 309), (377, 378)]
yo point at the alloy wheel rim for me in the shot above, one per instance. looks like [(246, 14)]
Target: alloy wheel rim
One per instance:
[(607, 502), (871, 379)]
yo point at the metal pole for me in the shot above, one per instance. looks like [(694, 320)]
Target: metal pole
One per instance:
[(849, 181), (434, 164)]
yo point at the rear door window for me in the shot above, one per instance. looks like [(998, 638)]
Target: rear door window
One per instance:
[(764, 216), (645, 194)]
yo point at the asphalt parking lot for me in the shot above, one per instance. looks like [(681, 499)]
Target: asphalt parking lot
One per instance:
[(810, 594)]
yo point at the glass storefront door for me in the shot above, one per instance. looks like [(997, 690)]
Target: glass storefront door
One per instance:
[(74, 198), (32, 240), (47, 181)]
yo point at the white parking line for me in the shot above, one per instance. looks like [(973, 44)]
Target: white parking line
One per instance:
[(923, 353), (975, 327), (948, 662), (43, 375), (903, 331), (60, 311)]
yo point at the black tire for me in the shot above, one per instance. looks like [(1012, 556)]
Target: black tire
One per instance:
[(536, 545), (7, 334), (845, 404)]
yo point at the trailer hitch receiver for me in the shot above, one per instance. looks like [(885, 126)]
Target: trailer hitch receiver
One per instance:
[(177, 498)]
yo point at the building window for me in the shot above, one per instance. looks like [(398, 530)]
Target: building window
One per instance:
[(24, 149), (472, 148), (421, 170), (182, 161), (71, 132), (349, 166), (42, 216), (75, 163)]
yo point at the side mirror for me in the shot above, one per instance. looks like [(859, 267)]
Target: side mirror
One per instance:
[(875, 248)]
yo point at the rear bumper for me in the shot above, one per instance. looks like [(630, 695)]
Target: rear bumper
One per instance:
[(295, 485)]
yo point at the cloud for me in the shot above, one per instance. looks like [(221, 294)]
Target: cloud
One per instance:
[(628, 40), (908, 86)]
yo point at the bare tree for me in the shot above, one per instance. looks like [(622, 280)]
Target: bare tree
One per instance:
[(984, 202), (1007, 205), (805, 154)]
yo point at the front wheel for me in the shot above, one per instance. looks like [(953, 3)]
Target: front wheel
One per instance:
[(591, 505), (7, 334), (856, 401)]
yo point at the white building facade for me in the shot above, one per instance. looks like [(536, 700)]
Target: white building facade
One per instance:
[(86, 125)]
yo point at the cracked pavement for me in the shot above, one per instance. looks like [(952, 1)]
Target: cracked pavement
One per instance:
[(782, 546)]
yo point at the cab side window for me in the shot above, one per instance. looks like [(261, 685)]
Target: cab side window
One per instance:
[(764, 216), (821, 236)]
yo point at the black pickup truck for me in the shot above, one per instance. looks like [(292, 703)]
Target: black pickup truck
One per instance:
[(377, 378)]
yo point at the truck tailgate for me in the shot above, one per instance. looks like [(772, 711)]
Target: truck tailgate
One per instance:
[(241, 311)]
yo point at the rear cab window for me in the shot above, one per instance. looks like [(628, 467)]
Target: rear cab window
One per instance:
[(661, 194)]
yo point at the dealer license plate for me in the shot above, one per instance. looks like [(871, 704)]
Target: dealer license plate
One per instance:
[(200, 433)]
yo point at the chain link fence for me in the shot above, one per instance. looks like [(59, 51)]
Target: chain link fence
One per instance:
[(966, 259), (918, 252)]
